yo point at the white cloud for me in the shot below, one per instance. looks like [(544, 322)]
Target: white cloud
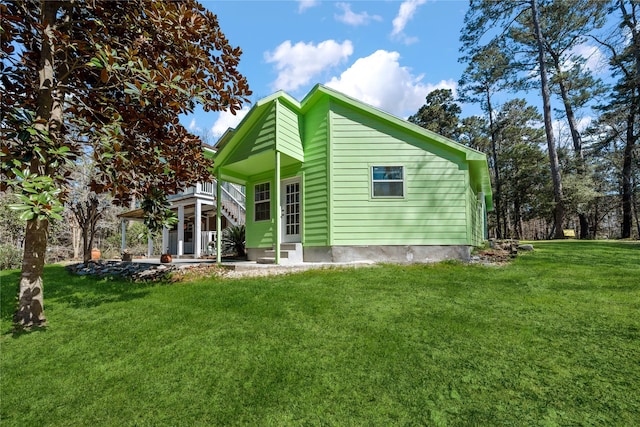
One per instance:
[(298, 64), (379, 80), (227, 120), (307, 4), (595, 59), (584, 123), (351, 18), (192, 126), (405, 14)]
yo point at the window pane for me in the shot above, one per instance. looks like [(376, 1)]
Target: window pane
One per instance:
[(262, 211), (388, 189), (262, 202), (387, 172)]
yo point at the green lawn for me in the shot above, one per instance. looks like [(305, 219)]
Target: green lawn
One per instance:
[(551, 339)]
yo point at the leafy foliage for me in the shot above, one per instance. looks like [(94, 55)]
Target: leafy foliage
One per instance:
[(10, 257), (110, 79), (235, 237), (122, 86)]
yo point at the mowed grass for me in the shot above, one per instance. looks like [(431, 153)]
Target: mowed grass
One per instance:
[(551, 339)]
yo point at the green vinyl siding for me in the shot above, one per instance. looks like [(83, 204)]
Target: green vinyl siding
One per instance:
[(262, 137), (316, 188), (288, 139), (433, 210), (477, 214), (332, 142)]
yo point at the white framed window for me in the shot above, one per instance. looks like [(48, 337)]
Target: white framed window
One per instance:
[(387, 181), (262, 202)]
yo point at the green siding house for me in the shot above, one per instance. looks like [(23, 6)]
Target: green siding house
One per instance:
[(332, 179)]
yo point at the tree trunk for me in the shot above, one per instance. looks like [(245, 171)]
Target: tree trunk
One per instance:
[(584, 225), (631, 22), (576, 139), (497, 196), (558, 212), (634, 200), (627, 190), (30, 310), (76, 234)]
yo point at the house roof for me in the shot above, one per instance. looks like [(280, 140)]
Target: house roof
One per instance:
[(477, 160)]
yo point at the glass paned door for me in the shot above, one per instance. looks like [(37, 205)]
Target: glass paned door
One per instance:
[(291, 211)]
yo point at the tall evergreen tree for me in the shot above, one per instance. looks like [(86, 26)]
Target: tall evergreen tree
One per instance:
[(565, 26), (623, 111), (487, 74), (440, 113), (485, 17), (522, 167)]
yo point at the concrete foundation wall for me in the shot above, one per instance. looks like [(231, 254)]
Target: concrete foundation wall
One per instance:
[(254, 253), (402, 254)]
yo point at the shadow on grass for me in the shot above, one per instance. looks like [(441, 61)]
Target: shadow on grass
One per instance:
[(79, 292)]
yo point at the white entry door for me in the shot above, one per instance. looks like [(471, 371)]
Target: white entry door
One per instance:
[(291, 212)]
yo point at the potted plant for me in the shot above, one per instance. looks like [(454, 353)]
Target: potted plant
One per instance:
[(127, 256)]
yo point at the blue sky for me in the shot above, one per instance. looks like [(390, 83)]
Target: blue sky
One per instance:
[(387, 53)]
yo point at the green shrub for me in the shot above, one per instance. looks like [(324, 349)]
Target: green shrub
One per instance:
[(10, 257), (234, 238)]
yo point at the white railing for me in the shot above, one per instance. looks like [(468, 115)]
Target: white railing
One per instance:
[(233, 198), (208, 188), (235, 191), (234, 208)]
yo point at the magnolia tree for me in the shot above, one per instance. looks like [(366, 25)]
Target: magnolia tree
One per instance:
[(110, 79)]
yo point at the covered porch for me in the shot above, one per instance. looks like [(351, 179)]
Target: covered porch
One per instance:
[(265, 154), (189, 238)]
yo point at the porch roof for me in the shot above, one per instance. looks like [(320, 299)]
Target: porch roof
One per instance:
[(135, 215), (249, 149)]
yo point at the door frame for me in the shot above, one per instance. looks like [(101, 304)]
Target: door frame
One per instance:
[(290, 238)]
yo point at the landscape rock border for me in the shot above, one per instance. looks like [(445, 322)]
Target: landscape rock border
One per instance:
[(136, 271)]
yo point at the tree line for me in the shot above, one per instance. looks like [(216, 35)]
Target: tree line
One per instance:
[(549, 173)]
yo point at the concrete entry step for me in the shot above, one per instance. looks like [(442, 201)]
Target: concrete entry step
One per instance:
[(290, 253)]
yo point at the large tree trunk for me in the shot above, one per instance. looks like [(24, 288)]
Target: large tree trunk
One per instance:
[(627, 189), (558, 212), (630, 20), (497, 196), (30, 310)]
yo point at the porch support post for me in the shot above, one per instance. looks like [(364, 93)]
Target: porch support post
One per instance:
[(165, 240), (218, 221), (276, 196), (197, 239), (149, 246), (123, 243), (180, 231)]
